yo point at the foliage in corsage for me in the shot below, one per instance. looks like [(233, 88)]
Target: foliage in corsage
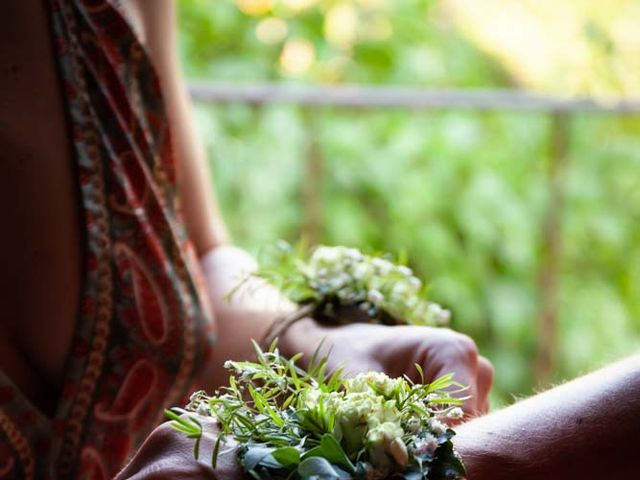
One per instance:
[(343, 284), (297, 424)]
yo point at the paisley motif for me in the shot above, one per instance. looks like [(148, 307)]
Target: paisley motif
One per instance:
[(138, 385), (150, 305), (143, 328)]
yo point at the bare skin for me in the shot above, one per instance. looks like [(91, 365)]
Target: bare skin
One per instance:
[(42, 247), (584, 429), (41, 244)]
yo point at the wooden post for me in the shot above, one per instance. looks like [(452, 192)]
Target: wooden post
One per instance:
[(548, 279), (311, 189)]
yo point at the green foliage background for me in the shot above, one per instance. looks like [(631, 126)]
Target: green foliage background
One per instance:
[(464, 193)]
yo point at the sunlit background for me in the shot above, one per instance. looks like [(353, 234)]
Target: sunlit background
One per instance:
[(534, 247)]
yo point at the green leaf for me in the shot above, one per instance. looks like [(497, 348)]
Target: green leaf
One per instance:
[(331, 450), (196, 448), (216, 450), (254, 455), (318, 467), (288, 457), (188, 425)]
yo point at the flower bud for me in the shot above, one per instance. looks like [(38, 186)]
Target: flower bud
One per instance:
[(398, 451)]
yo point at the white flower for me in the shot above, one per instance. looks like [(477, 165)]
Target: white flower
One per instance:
[(425, 444), (413, 424), (436, 426), (335, 283), (385, 440), (415, 283), (203, 409), (373, 382), (404, 270), (438, 314), (353, 413), (455, 412), (362, 271), (311, 397), (356, 407), (384, 412), (375, 296), (383, 266), (345, 294), (326, 255), (364, 306), (398, 451), (384, 433), (400, 289), (375, 283), (353, 254)]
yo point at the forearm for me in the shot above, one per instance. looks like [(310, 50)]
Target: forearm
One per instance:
[(248, 313), (203, 218), (588, 428)]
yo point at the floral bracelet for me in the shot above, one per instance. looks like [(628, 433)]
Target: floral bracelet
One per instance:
[(338, 285), (296, 424)]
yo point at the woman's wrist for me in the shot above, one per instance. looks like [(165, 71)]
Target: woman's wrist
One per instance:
[(304, 335), (226, 267)]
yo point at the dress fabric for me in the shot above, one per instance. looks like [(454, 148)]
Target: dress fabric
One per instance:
[(143, 327)]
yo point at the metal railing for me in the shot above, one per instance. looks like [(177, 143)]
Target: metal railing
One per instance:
[(560, 111), (407, 98)]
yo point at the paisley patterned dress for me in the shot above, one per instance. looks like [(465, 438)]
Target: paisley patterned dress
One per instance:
[(143, 328)]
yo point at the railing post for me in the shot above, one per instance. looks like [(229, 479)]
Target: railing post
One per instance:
[(548, 279), (311, 189)]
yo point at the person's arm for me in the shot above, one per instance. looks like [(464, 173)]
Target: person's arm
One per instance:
[(222, 264), (585, 429), (204, 223), (358, 347)]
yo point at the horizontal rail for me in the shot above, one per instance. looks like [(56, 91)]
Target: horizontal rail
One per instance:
[(409, 98)]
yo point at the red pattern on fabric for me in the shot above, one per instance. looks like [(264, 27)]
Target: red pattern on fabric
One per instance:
[(144, 330)]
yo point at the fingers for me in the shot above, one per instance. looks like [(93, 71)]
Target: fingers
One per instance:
[(458, 354), (477, 373), (484, 381)]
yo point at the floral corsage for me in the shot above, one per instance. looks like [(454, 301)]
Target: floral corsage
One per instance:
[(293, 424), (338, 285)]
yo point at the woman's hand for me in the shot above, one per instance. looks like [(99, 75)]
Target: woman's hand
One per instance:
[(358, 347), (395, 350), (168, 454)]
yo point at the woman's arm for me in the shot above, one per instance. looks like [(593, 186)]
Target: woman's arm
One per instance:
[(585, 429), (361, 347), (157, 27)]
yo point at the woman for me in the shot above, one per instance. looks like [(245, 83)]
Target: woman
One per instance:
[(115, 259)]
